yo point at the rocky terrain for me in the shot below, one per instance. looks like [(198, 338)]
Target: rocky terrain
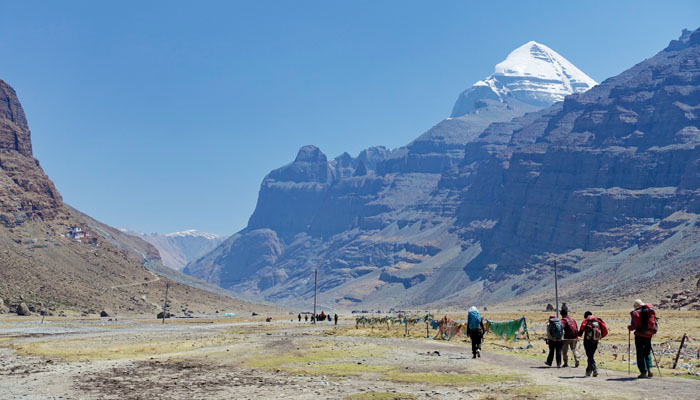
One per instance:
[(365, 220), (479, 208), (58, 260)]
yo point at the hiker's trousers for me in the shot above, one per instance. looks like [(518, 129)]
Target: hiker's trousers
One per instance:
[(643, 347), (590, 346), (555, 347), (569, 344), (476, 337)]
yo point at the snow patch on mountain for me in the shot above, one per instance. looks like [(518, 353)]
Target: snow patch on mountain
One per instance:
[(532, 74), (194, 233)]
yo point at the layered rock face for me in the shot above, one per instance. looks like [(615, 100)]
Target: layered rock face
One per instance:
[(611, 169), (606, 183), (375, 220), (26, 191)]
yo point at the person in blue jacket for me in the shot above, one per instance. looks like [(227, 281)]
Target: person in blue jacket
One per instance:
[(475, 330)]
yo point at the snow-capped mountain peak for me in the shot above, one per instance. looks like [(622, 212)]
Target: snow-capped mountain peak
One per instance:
[(193, 233), (533, 74), (537, 60)]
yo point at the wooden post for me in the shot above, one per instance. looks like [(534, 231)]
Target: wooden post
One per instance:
[(679, 350), (556, 288), (165, 303), (315, 287)]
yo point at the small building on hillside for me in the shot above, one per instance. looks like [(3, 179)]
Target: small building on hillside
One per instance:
[(77, 233)]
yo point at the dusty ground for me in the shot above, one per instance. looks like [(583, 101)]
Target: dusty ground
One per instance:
[(251, 359)]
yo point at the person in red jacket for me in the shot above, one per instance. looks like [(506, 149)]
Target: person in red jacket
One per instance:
[(570, 336), (644, 326), (592, 329)]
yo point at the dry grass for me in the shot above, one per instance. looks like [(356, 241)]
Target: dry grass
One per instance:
[(451, 379), (380, 396)]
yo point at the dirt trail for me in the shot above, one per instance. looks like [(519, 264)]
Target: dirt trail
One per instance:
[(253, 360), (608, 382), (138, 283)]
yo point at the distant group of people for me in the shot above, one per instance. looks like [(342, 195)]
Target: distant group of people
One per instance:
[(320, 317), (563, 335)]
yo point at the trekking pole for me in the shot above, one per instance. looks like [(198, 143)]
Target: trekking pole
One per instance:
[(656, 362), (629, 341), (679, 350)]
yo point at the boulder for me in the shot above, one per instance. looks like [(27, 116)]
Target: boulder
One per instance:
[(22, 309), (550, 307), (106, 313), (160, 315)]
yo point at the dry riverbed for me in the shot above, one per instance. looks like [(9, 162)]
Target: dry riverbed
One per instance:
[(234, 358)]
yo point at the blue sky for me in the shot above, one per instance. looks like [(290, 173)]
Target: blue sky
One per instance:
[(165, 116)]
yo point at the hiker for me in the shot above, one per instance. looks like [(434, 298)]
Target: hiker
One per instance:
[(644, 325), (475, 330), (299, 317), (555, 333), (592, 329), (335, 319), (570, 336), (306, 317)]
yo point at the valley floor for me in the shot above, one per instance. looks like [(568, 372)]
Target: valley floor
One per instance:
[(233, 358)]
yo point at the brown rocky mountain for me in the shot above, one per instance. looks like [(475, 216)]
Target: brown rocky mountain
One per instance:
[(477, 209), (55, 256)]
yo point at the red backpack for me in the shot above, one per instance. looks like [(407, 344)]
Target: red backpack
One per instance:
[(647, 315), (570, 327)]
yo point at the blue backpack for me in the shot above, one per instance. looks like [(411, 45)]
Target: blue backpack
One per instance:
[(555, 328), (474, 320)]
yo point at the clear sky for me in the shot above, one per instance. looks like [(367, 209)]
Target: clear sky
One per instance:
[(165, 116)]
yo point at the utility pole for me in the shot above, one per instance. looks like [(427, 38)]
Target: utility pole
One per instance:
[(556, 288), (165, 303), (315, 287)]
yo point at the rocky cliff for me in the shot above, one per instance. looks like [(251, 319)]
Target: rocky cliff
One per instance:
[(58, 259), (368, 220), (479, 208)]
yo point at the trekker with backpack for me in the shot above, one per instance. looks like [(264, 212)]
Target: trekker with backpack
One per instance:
[(592, 329), (475, 330), (644, 325), (570, 336), (555, 334)]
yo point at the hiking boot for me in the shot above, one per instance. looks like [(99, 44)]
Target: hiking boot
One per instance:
[(588, 373), (565, 366), (576, 364), (547, 364), (474, 355), (478, 353), (595, 373), (649, 374), (558, 366), (643, 375)]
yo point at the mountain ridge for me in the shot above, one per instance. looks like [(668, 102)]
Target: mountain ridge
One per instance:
[(313, 211)]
